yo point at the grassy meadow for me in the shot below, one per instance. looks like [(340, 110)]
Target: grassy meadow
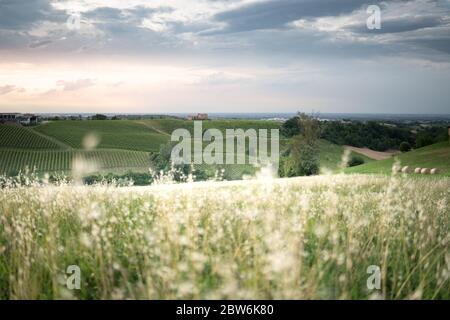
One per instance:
[(433, 156), (264, 238), (299, 238)]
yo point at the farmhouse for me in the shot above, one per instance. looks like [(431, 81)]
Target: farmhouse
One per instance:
[(19, 118), (199, 116), (9, 117)]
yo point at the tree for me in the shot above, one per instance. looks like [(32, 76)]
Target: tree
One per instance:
[(405, 146), (99, 117), (303, 153), (291, 127), (431, 135)]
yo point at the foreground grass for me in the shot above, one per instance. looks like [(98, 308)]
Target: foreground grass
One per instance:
[(296, 238)]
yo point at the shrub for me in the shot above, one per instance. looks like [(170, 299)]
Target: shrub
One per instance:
[(355, 161), (405, 146)]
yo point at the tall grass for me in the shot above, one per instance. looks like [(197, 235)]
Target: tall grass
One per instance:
[(301, 238)]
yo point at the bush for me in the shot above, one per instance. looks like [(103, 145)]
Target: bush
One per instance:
[(405, 146), (355, 161), (303, 153)]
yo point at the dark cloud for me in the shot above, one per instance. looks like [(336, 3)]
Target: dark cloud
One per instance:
[(402, 24), (22, 14), (266, 25), (277, 13), (124, 31)]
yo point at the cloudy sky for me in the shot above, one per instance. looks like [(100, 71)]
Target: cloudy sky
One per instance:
[(160, 56)]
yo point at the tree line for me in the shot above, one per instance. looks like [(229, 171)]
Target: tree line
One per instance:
[(371, 134)]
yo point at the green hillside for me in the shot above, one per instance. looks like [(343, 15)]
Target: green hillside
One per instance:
[(117, 141), (169, 125), (330, 156), (144, 135), (14, 160), (23, 138), (433, 156), (128, 135)]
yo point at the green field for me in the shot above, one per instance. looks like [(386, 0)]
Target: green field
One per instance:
[(23, 138), (169, 125), (53, 146), (128, 135), (18, 145), (32, 148), (13, 160), (116, 138), (433, 156)]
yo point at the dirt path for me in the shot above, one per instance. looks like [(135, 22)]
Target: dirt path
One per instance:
[(376, 155), (153, 128)]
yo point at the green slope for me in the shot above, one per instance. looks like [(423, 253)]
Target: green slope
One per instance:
[(434, 156), (24, 138), (117, 140), (169, 125), (119, 137), (128, 135), (14, 160), (330, 156)]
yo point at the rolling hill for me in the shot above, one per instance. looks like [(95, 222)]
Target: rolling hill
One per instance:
[(126, 144), (32, 148), (433, 156), (117, 161), (128, 135), (24, 138), (123, 144)]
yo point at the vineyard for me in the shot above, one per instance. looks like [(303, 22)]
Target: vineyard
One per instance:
[(24, 138), (53, 146), (169, 125), (12, 161), (128, 135)]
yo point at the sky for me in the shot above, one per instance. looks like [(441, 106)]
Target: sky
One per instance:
[(169, 56)]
